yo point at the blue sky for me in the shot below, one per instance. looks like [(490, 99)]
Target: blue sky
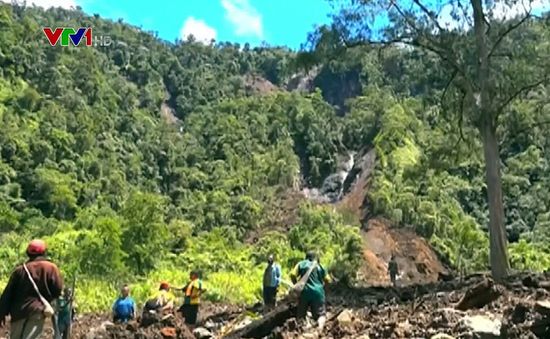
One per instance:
[(278, 22)]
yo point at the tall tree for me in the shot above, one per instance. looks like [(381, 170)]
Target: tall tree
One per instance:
[(471, 38)]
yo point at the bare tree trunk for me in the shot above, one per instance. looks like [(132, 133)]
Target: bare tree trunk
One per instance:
[(500, 265)]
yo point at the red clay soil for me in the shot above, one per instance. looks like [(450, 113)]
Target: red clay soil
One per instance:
[(417, 261)]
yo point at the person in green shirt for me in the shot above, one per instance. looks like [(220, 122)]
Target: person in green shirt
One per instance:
[(313, 294)]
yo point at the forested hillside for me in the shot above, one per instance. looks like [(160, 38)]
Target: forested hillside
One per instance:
[(143, 160)]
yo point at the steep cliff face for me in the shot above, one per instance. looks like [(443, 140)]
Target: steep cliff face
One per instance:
[(337, 86)]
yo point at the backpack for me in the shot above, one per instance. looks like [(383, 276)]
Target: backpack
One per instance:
[(297, 289), (152, 305)]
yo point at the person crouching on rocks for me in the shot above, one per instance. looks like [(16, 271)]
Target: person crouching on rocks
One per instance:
[(124, 308), (160, 306)]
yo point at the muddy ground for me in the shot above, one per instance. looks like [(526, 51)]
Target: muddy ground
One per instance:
[(520, 308)]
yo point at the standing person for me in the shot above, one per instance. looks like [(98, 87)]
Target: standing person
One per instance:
[(124, 308), (193, 292), (272, 279), (65, 314), (393, 270), (313, 295), (22, 301)]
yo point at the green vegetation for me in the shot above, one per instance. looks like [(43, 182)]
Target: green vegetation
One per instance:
[(142, 161)]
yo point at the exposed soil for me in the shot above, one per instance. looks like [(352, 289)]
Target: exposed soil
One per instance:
[(417, 261), (255, 84)]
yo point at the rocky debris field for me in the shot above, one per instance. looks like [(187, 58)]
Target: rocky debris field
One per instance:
[(474, 307)]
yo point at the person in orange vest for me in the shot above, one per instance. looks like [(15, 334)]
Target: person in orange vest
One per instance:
[(193, 292)]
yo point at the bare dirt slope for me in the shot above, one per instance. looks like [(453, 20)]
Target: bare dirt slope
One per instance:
[(417, 261), (415, 257)]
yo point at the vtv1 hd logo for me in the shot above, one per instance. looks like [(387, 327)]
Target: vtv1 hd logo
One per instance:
[(70, 35)]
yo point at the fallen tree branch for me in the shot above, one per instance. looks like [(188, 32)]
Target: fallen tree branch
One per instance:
[(264, 326)]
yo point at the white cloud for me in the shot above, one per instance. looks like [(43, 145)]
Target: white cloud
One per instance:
[(502, 11), (448, 18), (48, 3), (199, 29), (245, 19)]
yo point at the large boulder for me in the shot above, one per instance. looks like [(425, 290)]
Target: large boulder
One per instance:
[(482, 326)]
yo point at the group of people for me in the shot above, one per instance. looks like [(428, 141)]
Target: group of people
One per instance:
[(312, 296), (36, 284), (162, 303), (36, 292)]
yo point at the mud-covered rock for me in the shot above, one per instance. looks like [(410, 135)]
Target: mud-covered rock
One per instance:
[(202, 333), (345, 318)]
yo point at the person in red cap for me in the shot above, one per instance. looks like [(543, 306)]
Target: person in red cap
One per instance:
[(22, 302), (161, 304)]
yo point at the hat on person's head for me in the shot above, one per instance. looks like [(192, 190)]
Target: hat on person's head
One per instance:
[(36, 247), (164, 286)]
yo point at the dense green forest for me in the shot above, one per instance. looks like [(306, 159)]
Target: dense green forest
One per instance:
[(145, 159)]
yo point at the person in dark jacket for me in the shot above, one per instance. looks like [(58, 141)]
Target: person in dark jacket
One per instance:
[(21, 301), (393, 270)]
